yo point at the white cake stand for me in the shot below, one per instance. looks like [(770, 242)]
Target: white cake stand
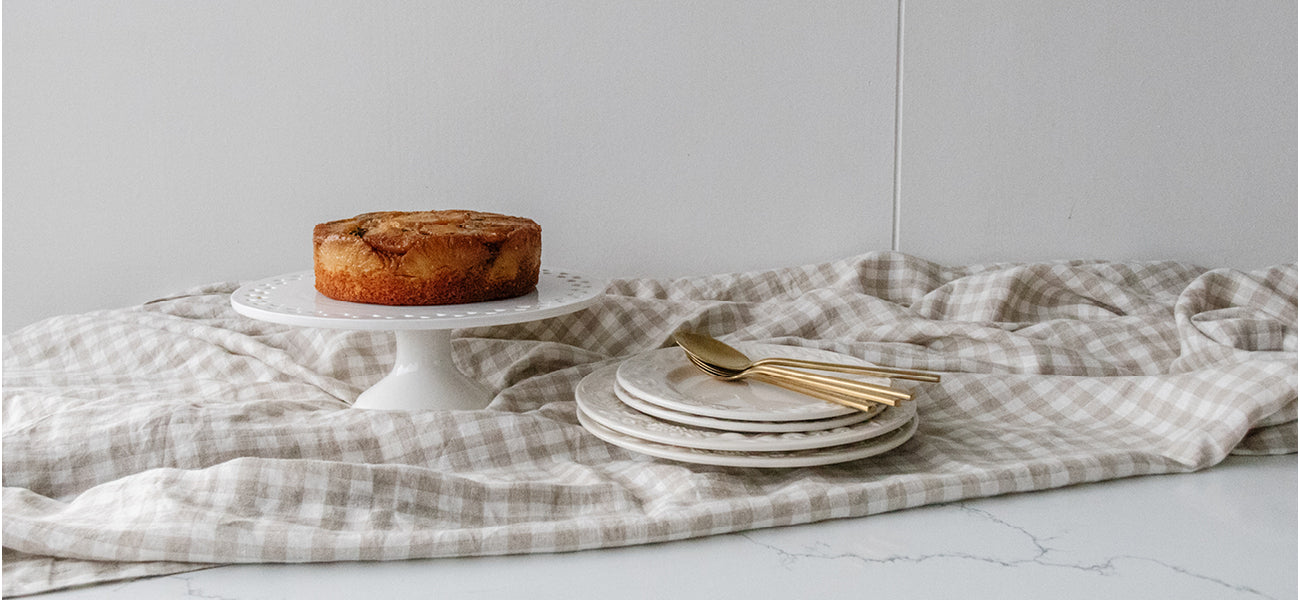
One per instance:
[(423, 375)]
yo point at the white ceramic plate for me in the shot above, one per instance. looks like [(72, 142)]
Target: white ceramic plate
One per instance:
[(732, 425), (293, 300), (666, 378), (770, 460), (596, 398)]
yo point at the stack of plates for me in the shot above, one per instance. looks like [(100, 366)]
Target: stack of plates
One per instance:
[(657, 403)]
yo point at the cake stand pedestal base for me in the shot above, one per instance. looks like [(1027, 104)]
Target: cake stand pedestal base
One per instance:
[(424, 377)]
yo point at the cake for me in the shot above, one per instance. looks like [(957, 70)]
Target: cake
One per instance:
[(427, 257)]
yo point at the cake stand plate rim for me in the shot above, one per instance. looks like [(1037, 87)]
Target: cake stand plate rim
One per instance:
[(292, 299)]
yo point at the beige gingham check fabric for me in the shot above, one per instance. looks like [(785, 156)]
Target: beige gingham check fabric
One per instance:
[(177, 434)]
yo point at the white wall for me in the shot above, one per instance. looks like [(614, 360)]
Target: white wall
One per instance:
[(152, 146), (1103, 129)]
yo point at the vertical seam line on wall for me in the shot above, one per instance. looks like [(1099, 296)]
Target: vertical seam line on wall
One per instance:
[(896, 221)]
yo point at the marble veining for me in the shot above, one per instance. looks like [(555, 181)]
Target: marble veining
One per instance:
[(193, 590), (1037, 546)]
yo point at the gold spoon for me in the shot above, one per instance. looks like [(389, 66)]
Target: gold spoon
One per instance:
[(719, 353), (834, 385), (730, 361), (810, 389), (850, 387)]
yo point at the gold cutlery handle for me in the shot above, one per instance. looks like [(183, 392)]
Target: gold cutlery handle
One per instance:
[(843, 368), (806, 382), (837, 382), (813, 390)]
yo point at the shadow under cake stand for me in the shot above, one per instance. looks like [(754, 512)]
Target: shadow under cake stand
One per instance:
[(423, 375)]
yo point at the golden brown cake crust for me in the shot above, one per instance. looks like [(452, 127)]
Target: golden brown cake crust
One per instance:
[(427, 257)]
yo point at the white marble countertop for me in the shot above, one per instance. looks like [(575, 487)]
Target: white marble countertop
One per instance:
[(1224, 533)]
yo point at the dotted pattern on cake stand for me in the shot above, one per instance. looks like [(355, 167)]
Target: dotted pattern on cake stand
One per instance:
[(423, 375), (293, 300)]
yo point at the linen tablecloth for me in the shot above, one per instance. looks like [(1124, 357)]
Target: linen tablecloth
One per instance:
[(178, 434)]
